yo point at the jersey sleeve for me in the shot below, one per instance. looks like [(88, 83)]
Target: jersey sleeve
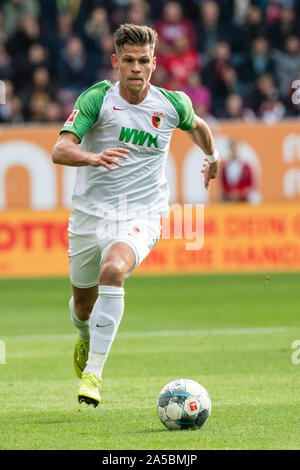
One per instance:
[(185, 110), (183, 106), (86, 110)]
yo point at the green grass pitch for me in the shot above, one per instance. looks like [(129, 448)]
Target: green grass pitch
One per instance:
[(231, 333)]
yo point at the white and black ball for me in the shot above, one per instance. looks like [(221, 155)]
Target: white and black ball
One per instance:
[(183, 404)]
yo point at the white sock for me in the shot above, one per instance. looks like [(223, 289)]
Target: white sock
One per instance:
[(83, 326), (104, 323)]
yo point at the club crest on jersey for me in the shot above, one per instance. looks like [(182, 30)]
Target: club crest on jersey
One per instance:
[(158, 119), (71, 118)]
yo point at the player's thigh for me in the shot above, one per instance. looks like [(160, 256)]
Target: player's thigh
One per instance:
[(84, 259), (134, 241), (142, 235)]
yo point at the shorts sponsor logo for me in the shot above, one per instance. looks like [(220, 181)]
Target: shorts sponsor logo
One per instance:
[(71, 118)]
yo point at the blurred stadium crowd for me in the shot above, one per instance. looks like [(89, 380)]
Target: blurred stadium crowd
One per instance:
[(236, 59)]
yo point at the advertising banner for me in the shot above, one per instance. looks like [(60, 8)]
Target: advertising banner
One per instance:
[(29, 179), (230, 238)]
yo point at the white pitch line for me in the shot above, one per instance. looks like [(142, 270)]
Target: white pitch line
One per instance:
[(212, 331), (162, 334)]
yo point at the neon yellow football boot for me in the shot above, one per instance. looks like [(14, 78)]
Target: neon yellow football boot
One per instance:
[(89, 389), (81, 352)]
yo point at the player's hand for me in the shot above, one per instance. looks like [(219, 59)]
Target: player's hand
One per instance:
[(108, 157), (210, 171)]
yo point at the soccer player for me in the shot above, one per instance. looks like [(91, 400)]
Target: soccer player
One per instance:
[(124, 130)]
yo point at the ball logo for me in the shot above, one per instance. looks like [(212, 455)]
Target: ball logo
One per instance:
[(193, 406), (71, 118), (158, 119)]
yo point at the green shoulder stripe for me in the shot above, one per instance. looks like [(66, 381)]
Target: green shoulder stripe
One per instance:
[(183, 105), (87, 109)]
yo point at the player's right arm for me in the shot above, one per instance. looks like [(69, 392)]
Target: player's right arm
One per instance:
[(86, 112), (67, 152)]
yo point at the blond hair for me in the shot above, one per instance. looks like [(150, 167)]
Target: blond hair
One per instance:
[(134, 35)]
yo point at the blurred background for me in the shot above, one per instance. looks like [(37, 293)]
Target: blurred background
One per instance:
[(236, 59)]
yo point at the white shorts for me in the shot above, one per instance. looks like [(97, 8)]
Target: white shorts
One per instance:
[(90, 238)]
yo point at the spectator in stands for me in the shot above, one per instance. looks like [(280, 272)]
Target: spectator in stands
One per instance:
[(202, 111), (236, 177), (95, 30), (286, 25), (287, 64), (271, 10), (139, 14), (211, 31), (41, 93), (77, 10), (240, 11), (53, 112), (74, 73), (15, 10), (235, 110), (213, 73), (37, 56), (107, 49), (12, 111), (173, 24), (255, 25), (198, 93), (231, 82), (259, 60), (66, 99), (3, 33), (16, 115), (28, 34), (263, 87), (64, 28), (97, 26), (182, 60), (272, 109), (162, 78), (36, 34), (63, 32), (6, 65)]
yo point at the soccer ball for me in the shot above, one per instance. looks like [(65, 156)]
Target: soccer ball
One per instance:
[(183, 404)]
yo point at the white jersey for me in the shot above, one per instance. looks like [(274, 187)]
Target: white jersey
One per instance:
[(102, 119)]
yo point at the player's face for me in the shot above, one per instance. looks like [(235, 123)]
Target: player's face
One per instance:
[(135, 65)]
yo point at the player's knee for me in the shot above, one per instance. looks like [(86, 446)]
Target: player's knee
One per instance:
[(112, 273), (83, 309)]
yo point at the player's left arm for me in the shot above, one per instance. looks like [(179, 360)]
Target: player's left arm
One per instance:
[(201, 135)]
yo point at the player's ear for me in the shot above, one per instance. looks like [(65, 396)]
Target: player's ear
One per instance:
[(153, 64), (114, 61)]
